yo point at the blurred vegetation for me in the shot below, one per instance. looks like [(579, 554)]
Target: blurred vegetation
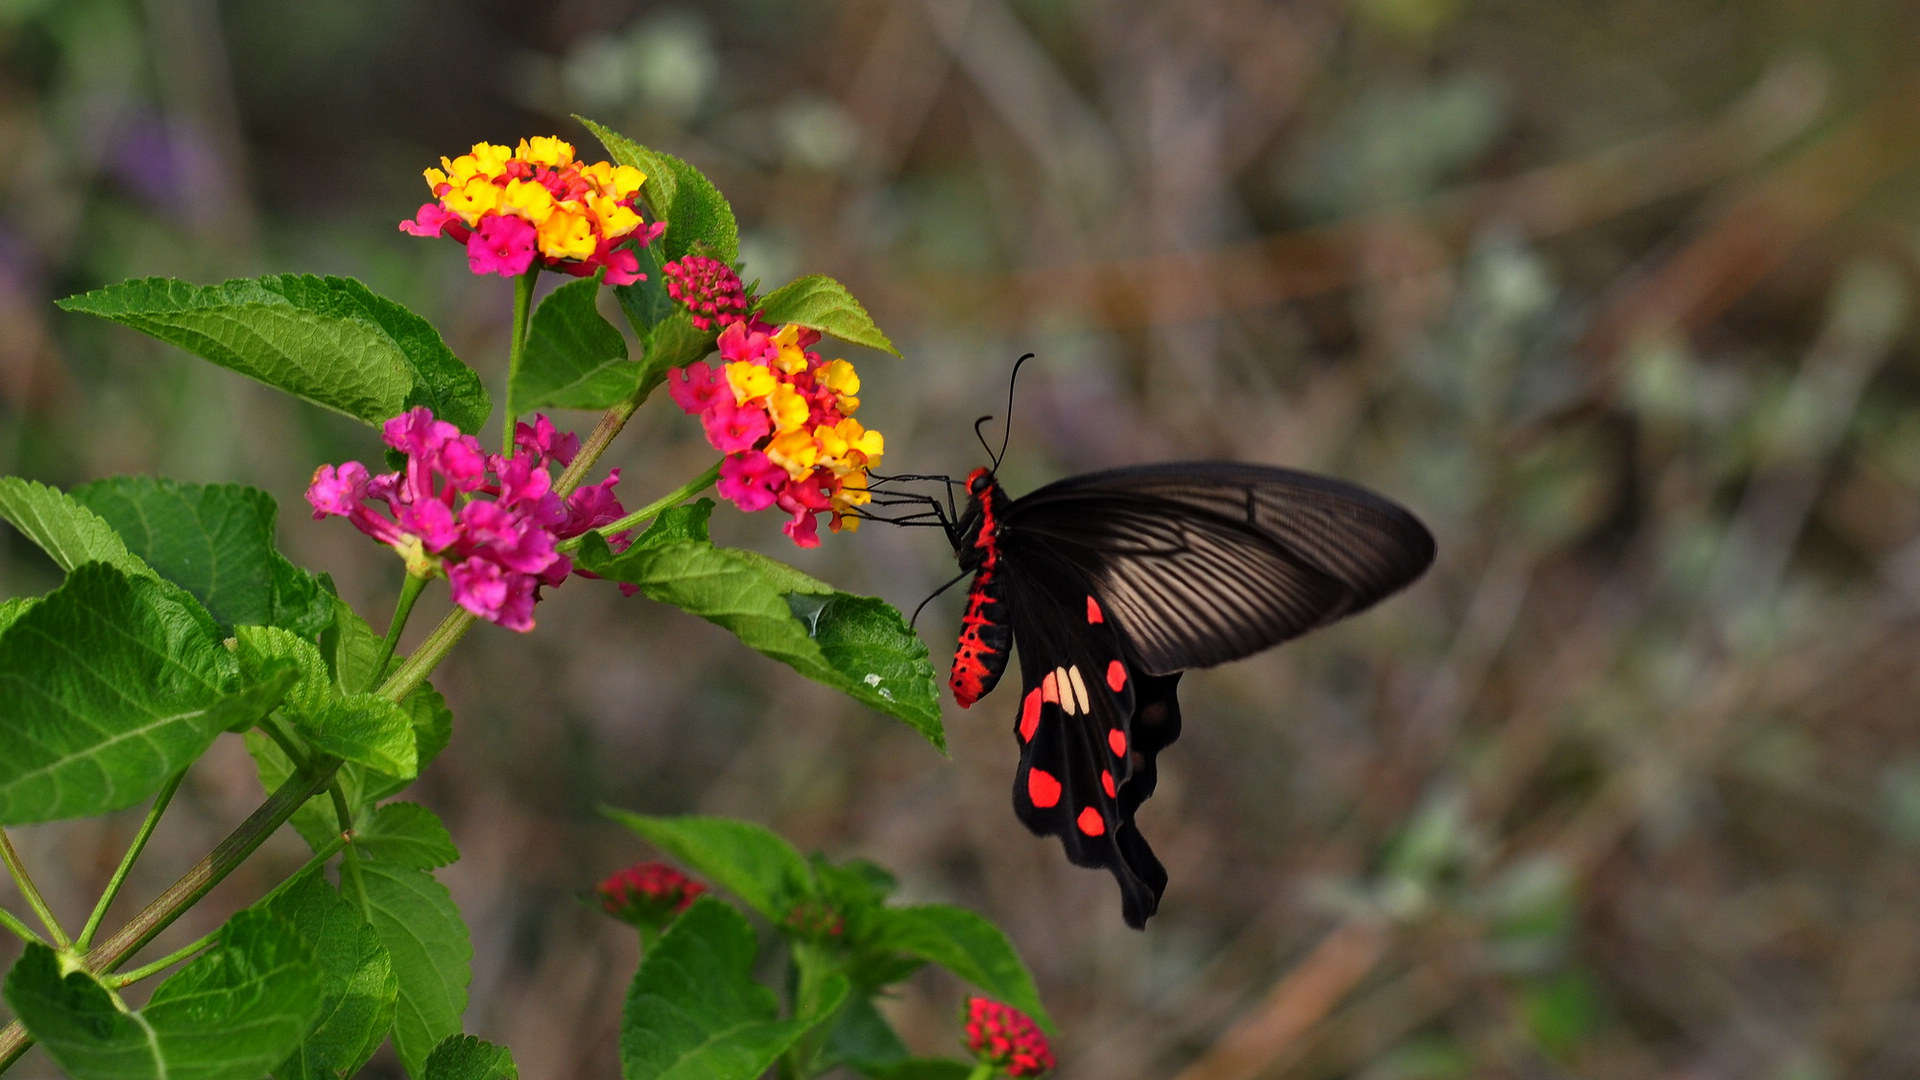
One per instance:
[(1619, 296)]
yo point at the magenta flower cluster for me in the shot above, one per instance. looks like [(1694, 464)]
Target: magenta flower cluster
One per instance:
[(489, 522)]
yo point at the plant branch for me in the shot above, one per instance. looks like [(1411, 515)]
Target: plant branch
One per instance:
[(24, 882), (402, 607), (427, 656), (11, 922), (652, 510), (160, 801)]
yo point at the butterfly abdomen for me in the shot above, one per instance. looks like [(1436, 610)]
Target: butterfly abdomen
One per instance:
[(985, 637)]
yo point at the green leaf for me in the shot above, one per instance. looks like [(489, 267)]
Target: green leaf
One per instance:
[(463, 1057), (858, 645), (11, 610), (112, 684), (574, 358), (357, 985), (681, 196), (331, 341), (694, 1011), (821, 303), (351, 647), (366, 729), (407, 834), (658, 190), (675, 342), (862, 1040), (646, 302), (215, 541), (963, 943), (432, 957), (68, 532), (233, 1013), (751, 862)]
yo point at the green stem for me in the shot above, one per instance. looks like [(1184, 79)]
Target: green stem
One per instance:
[(597, 442), (983, 1071), (296, 757), (193, 885), (522, 303), (24, 882), (653, 509), (434, 648), (144, 971), (409, 592), (11, 922), (160, 801)]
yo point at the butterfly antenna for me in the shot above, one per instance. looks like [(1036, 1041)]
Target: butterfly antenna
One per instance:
[(1007, 432), (923, 604), (984, 445)]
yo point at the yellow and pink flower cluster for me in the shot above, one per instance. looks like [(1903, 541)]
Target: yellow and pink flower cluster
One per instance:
[(784, 418), (512, 205)]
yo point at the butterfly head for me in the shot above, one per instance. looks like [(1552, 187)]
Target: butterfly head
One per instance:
[(979, 482)]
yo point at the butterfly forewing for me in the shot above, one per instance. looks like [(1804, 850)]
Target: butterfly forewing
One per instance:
[(1206, 562)]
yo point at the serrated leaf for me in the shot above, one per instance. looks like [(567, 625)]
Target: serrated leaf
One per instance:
[(574, 359), (233, 1013), (365, 729), (259, 646), (963, 943), (659, 188), (694, 1011), (432, 956), (681, 196), (861, 1039), (112, 683), (68, 532), (217, 542), (858, 645), (357, 985), (675, 342), (463, 1057), (407, 834), (821, 303), (12, 609), (351, 646), (331, 341), (751, 862), (646, 302)]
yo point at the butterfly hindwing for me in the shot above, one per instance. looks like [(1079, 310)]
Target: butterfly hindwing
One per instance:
[(1089, 725)]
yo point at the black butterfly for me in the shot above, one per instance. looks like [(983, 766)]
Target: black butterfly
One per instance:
[(1111, 584)]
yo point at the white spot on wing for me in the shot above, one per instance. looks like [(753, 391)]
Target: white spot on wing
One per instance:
[(1079, 687), (1063, 680)]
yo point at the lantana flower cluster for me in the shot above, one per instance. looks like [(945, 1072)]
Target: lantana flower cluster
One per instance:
[(511, 205), (648, 893), (711, 290), (784, 418), (1003, 1036), (488, 522)]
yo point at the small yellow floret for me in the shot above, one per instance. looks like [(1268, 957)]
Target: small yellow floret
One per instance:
[(435, 177), (566, 234), (749, 380), (615, 219), (490, 160), (526, 199), (472, 199), (627, 181), (838, 376), (794, 451), (549, 150), (788, 409)]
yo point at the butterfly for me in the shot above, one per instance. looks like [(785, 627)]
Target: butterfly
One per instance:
[(1109, 585)]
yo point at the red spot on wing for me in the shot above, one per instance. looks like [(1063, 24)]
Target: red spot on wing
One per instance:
[(1094, 614), (1106, 781), (1030, 715), (1091, 822), (1050, 689), (1042, 788), (1117, 742), (1116, 675)]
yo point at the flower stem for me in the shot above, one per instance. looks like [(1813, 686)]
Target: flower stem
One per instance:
[(193, 885), (595, 445), (160, 801), (522, 303), (434, 648), (982, 1071), (409, 592), (24, 882), (12, 924), (653, 509)]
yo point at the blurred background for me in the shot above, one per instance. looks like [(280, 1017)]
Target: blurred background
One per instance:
[(1618, 296)]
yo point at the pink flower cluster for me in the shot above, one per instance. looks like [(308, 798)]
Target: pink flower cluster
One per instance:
[(1004, 1036), (784, 418), (710, 288), (496, 551), (648, 892)]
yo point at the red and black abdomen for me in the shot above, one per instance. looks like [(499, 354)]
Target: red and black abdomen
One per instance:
[(985, 638)]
